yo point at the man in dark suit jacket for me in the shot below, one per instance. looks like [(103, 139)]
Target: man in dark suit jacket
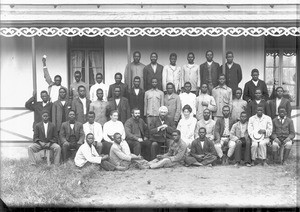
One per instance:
[(222, 135), (233, 72), (81, 105), (118, 83), (252, 85), (252, 106), (161, 129), (45, 137), (209, 71), (38, 107), (153, 70), (137, 96), (120, 104), (71, 135), (279, 101)]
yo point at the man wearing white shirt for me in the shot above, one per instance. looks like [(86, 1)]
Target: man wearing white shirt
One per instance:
[(96, 129), (191, 73), (260, 128), (99, 84), (87, 154), (208, 124), (188, 98), (204, 101), (172, 73)]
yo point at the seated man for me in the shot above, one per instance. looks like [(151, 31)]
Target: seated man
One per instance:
[(87, 154), (222, 134), (174, 156), (283, 135), (239, 135), (260, 129), (123, 159), (203, 152), (208, 124), (71, 135), (45, 137), (96, 129), (137, 134), (161, 129)]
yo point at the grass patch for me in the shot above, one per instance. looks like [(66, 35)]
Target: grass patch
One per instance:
[(23, 185)]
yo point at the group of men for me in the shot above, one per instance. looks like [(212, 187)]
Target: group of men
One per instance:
[(118, 126)]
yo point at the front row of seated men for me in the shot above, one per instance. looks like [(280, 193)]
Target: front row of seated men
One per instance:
[(243, 140)]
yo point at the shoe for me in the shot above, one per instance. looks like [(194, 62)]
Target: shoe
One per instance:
[(248, 164), (197, 164), (252, 163), (264, 163), (121, 168), (209, 165), (237, 164)]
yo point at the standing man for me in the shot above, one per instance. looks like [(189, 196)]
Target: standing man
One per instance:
[(209, 71), (161, 129), (204, 101), (99, 107), (39, 107), (252, 85), (283, 135), (202, 151), (223, 96), (45, 137), (260, 129), (222, 135), (96, 129), (74, 86), (172, 73), (120, 104), (233, 72), (208, 124), (191, 73), (99, 84), (173, 103), (54, 87), (71, 135), (137, 134), (134, 69), (137, 96), (174, 156), (252, 105), (154, 99), (239, 135), (81, 105), (279, 101), (238, 104), (60, 109), (118, 83), (153, 70), (188, 98)]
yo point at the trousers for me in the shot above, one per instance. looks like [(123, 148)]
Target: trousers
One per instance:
[(259, 149), (33, 148), (223, 142), (67, 148), (246, 143), (165, 162), (140, 148), (208, 159)]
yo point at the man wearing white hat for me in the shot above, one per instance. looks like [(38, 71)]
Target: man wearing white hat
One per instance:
[(161, 129)]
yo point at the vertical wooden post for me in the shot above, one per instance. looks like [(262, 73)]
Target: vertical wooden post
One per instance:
[(223, 53), (128, 49), (33, 54)]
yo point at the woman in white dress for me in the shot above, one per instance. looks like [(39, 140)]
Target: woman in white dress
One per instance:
[(187, 125)]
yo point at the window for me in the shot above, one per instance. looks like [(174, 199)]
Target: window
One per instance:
[(281, 70), (86, 56)]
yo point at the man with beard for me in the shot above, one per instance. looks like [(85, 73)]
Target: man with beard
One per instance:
[(137, 134), (133, 69)]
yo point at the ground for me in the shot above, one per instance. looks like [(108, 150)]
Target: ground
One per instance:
[(223, 186)]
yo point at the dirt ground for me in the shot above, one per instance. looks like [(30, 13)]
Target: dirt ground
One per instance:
[(219, 186)]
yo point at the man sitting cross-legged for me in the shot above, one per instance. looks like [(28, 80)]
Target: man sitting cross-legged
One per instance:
[(283, 135), (203, 152), (174, 156), (45, 137), (87, 154), (120, 157)]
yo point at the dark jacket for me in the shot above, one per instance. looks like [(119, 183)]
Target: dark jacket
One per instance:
[(37, 108), (208, 147), (66, 131), (252, 106), (60, 112), (219, 128), (215, 72), (39, 133), (149, 74), (77, 106), (249, 90), (161, 136), (283, 130), (284, 103), (137, 101), (124, 90), (123, 108), (233, 75), (133, 128)]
